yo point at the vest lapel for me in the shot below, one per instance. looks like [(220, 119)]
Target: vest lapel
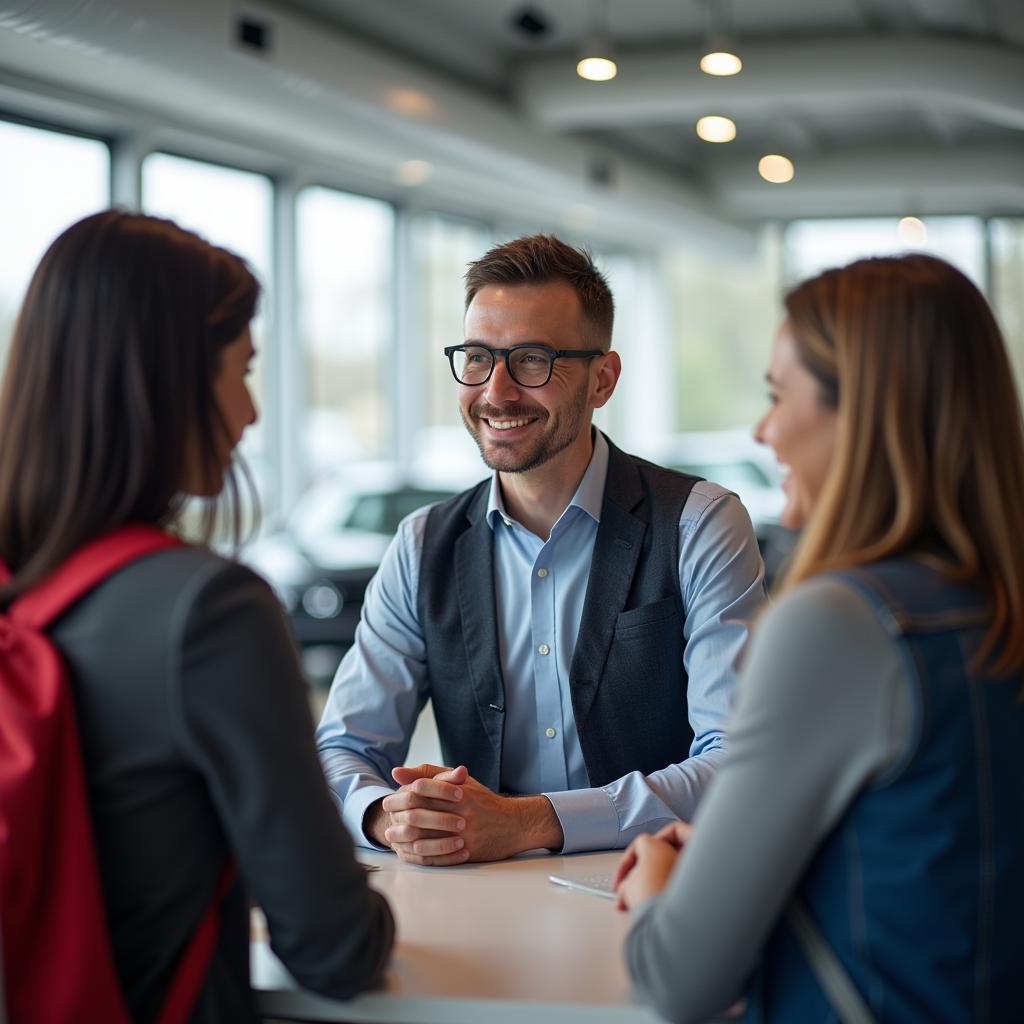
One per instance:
[(616, 553), (474, 580)]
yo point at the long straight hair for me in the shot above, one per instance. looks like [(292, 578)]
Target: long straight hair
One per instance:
[(107, 402), (930, 442)]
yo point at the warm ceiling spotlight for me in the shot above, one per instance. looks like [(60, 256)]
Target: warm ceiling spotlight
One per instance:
[(597, 69), (775, 168), (596, 63), (720, 54), (721, 62), (409, 102), (413, 172), (912, 231), (716, 129)]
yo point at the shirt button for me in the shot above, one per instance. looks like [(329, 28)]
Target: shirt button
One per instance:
[(542, 573), (544, 649), (507, 522), (550, 733)]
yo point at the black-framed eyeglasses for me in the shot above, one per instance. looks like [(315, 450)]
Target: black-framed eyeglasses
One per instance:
[(530, 366)]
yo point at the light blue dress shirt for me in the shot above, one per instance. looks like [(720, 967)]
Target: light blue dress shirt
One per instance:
[(381, 685)]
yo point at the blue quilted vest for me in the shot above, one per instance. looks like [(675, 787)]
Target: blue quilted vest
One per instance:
[(919, 890)]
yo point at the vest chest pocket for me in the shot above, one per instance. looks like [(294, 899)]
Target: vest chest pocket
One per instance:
[(638, 623)]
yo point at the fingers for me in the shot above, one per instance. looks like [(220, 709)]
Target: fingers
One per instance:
[(426, 844), (677, 833), (436, 789), (406, 774), (457, 776), (443, 860), (420, 819), (624, 867), (407, 799)]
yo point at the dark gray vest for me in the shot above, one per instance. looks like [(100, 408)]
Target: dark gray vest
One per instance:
[(627, 679)]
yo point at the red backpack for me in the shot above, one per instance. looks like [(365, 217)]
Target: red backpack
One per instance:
[(58, 959)]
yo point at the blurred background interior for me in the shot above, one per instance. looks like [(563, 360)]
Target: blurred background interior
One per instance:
[(360, 153)]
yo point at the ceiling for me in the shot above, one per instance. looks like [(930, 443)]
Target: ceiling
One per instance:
[(883, 105)]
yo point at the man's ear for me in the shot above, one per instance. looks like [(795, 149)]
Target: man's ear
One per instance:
[(608, 369)]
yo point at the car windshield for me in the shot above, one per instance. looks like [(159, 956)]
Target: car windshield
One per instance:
[(381, 513)]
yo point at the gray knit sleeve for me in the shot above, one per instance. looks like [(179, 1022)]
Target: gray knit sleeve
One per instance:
[(824, 707)]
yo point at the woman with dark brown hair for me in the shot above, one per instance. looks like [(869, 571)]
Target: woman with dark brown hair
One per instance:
[(861, 854), (125, 393)]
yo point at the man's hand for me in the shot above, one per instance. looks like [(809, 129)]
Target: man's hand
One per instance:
[(421, 822), (432, 825), (647, 863)]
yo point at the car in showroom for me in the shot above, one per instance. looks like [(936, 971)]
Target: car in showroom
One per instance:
[(321, 561), (735, 460)]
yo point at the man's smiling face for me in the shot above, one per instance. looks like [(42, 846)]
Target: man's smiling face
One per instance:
[(518, 428)]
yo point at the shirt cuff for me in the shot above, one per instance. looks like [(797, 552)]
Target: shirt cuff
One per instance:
[(354, 810), (588, 818)]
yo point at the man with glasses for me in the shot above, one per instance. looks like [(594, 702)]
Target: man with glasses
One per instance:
[(574, 619)]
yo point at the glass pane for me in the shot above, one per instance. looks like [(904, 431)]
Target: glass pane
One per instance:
[(441, 249), (1008, 287), (346, 324), (233, 209), (635, 339), (47, 182), (725, 311), (816, 245)]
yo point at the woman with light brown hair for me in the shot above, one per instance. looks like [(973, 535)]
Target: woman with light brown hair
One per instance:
[(861, 854)]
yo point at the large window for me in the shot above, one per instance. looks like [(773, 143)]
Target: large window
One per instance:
[(640, 407), (346, 303), (441, 249), (816, 245), (1007, 241), (233, 209), (725, 310), (48, 180)]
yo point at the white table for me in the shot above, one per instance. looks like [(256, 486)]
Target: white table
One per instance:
[(483, 944)]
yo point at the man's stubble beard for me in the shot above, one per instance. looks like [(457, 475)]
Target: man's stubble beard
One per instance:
[(567, 426)]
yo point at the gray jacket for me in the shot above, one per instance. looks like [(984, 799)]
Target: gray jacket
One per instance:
[(198, 746)]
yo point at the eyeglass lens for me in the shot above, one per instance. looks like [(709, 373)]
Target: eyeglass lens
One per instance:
[(528, 366)]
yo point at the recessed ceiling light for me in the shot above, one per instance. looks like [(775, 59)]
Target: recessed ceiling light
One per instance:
[(413, 172), (721, 62), (410, 102), (775, 168), (597, 69), (912, 231), (714, 128)]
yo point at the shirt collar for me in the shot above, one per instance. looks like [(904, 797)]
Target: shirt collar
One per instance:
[(589, 494)]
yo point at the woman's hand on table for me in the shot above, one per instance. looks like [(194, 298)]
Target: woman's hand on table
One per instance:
[(647, 863)]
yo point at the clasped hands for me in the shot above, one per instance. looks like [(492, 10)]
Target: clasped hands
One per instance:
[(441, 816), (647, 863)]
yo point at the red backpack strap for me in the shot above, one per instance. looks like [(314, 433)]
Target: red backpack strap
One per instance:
[(198, 955), (39, 607), (86, 568)]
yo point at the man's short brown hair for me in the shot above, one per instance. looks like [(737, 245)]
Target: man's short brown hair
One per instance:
[(539, 259)]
